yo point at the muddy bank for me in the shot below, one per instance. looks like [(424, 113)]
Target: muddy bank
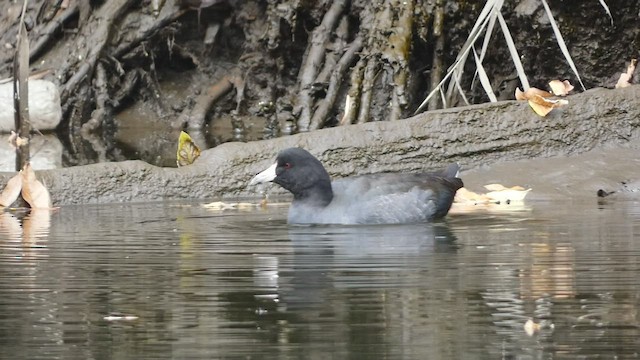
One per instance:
[(281, 66), (590, 144)]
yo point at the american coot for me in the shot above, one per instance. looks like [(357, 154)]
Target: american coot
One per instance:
[(388, 198)]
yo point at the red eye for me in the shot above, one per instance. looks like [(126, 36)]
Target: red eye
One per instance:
[(287, 165)]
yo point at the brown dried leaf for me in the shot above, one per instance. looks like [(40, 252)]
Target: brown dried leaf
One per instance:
[(498, 193), (500, 187), (508, 195), (560, 88), (11, 191), (21, 141), (12, 139), (540, 109), (544, 106), (494, 187), (33, 191), (531, 92), (567, 85), (467, 196)]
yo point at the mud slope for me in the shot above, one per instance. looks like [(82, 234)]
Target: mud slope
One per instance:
[(591, 143)]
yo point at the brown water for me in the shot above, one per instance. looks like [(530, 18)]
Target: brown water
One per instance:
[(170, 280)]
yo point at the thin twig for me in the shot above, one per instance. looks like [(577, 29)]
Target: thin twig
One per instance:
[(21, 94)]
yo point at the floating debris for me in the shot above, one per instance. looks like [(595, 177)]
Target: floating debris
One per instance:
[(120, 317)]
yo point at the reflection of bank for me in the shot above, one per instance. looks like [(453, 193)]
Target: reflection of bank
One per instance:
[(46, 153)]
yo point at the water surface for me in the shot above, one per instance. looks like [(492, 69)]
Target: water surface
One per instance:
[(177, 280)]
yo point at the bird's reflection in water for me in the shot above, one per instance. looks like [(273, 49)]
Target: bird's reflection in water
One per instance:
[(360, 257)]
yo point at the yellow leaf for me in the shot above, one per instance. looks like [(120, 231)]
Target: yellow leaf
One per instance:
[(188, 151), (33, 191), (11, 191)]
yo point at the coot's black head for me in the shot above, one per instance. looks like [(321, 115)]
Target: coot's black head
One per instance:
[(301, 173)]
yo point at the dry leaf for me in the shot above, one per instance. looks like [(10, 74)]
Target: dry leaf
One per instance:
[(531, 92), (188, 151), (501, 193), (500, 187), (16, 141), (497, 194), (544, 106), (219, 205), (463, 195), (540, 109), (120, 317), (508, 195), (21, 141), (33, 191), (626, 78), (494, 187), (12, 139), (560, 88), (11, 191)]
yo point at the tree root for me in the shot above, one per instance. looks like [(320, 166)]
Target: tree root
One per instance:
[(97, 34), (368, 81), (195, 117), (169, 13), (314, 59), (46, 34), (437, 67), (320, 115), (102, 96), (399, 49)]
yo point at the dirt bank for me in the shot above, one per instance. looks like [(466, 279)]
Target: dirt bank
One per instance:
[(590, 144), (609, 168)]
